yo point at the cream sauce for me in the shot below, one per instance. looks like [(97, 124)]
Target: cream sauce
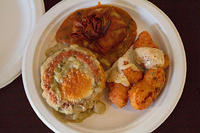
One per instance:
[(99, 108), (116, 76), (128, 57), (115, 73), (150, 57)]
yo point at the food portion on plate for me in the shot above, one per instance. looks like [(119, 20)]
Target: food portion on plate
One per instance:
[(73, 80), (96, 49), (106, 30), (122, 74), (139, 75)]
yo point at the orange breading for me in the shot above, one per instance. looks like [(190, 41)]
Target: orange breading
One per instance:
[(141, 95), (76, 86), (132, 76), (145, 88), (118, 94), (167, 62), (144, 40), (155, 77)]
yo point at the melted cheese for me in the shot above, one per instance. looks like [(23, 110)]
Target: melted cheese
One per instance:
[(150, 57)]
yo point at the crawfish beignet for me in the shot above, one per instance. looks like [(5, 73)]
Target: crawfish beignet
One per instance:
[(118, 94), (148, 54), (72, 81), (121, 76), (144, 40), (145, 92)]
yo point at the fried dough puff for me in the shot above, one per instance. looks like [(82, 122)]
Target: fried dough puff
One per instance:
[(118, 94), (155, 77), (132, 76), (167, 62), (146, 91), (144, 40), (127, 74), (142, 94)]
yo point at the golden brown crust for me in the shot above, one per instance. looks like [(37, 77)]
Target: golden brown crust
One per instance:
[(76, 86), (167, 62), (145, 92), (155, 77), (141, 95), (145, 88), (144, 40), (118, 94), (133, 76)]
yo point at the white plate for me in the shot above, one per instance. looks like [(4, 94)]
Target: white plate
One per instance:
[(18, 18), (148, 17)]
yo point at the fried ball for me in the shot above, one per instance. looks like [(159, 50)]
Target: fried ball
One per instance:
[(118, 94), (144, 40), (167, 62), (132, 76), (141, 95), (155, 77)]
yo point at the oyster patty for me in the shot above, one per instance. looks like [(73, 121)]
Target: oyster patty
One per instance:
[(72, 80)]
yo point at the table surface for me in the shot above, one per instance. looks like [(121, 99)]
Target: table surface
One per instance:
[(16, 114)]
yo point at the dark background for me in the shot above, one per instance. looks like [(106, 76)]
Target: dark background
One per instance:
[(16, 114)]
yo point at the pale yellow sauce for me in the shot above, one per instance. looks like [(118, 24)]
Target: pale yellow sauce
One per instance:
[(149, 57), (54, 49), (116, 76), (128, 57), (115, 73)]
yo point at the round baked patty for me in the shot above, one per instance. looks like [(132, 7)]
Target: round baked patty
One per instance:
[(72, 80)]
